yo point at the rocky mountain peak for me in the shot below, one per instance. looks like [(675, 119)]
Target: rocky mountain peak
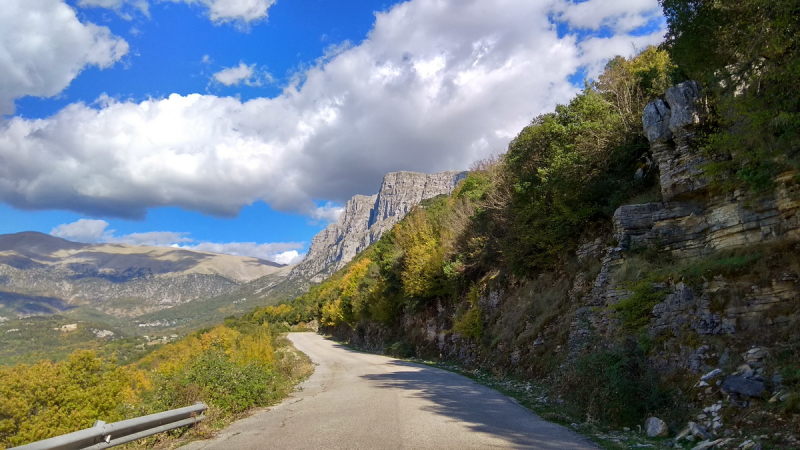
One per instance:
[(366, 218)]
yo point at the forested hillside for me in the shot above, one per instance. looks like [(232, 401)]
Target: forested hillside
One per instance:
[(616, 263)]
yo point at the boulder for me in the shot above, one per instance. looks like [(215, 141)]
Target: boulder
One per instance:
[(655, 120), (739, 385), (656, 427), (694, 430), (682, 99), (712, 374), (705, 445)]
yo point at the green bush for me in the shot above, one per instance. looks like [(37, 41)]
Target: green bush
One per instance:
[(469, 319), (399, 349), (227, 385), (636, 309), (614, 387)]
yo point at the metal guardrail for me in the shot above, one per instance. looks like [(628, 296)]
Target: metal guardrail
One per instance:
[(105, 435)]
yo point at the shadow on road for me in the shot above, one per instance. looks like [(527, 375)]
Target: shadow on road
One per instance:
[(482, 409)]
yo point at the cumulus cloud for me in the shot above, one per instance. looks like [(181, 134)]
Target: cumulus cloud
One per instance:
[(289, 258), (327, 213), (281, 252), (243, 73), (435, 86), (43, 47), (152, 238), (84, 230), (242, 11), (621, 17), (96, 231), (219, 11)]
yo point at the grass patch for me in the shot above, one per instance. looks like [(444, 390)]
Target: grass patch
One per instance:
[(636, 309)]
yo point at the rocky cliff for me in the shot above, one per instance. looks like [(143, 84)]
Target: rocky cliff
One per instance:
[(366, 218)]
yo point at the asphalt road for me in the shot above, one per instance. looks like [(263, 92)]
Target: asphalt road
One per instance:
[(362, 401)]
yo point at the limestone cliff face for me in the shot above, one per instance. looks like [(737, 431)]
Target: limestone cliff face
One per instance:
[(366, 218), (691, 223)]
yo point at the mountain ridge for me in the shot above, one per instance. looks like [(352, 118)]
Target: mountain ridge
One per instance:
[(366, 218), (43, 274)]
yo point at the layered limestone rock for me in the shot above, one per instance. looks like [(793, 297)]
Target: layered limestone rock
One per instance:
[(692, 223), (366, 218), (670, 127)]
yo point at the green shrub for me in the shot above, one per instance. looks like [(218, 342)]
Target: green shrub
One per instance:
[(227, 385), (469, 319), (636, 309), (399, 349), (614, 387)]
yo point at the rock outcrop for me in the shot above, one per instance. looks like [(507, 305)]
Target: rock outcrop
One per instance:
[(670, 127), (692, 223), (366, 218)]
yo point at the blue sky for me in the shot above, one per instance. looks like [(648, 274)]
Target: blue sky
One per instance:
[(242, 126)]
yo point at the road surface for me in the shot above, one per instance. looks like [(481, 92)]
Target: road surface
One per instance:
[(357, 400)]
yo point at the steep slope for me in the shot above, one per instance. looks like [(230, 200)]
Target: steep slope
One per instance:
[(41, 274), (366, 218)]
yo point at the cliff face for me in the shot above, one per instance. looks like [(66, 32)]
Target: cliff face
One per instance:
[(691, 223), (366, 218)]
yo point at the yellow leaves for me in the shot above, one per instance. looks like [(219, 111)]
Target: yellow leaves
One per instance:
[(342, 297), (332, 314), (48, 399), (256, 347), (172, 358), (422, 255)]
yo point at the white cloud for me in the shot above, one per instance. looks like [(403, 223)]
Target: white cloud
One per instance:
[(278, 252), (435, 86), (327, 213), (593, 49), (219, 11), (84, 230), (242, 11), (43, 47), (151, 238), (234, 76), (96, 231), (620, 16), (289, 258)]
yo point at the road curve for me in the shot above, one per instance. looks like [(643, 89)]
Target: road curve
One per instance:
[(362, 401)]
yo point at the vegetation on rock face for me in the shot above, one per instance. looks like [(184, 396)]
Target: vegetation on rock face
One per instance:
[(746, 54), (563, 174)]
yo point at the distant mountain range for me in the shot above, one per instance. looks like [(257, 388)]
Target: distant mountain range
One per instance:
[(150, 290), (43, 274)]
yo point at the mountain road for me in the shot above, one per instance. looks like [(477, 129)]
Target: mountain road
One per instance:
[(358, 400)]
